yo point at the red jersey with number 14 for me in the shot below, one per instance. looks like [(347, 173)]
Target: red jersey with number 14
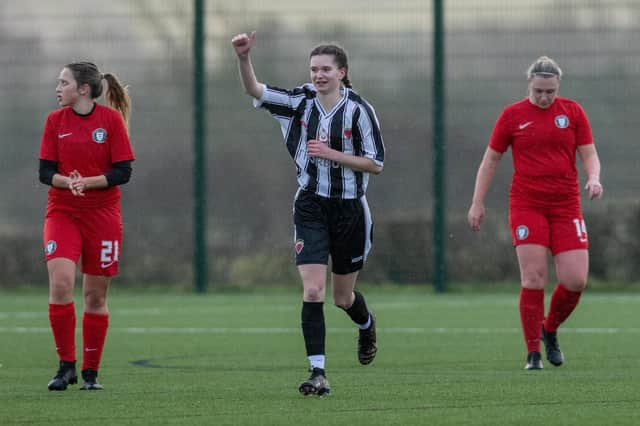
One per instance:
[(543, 144), (89, 144)]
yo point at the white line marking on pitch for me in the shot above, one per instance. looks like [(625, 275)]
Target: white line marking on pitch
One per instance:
[(283, 330)]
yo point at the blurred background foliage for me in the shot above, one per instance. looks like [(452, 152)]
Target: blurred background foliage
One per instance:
[(251, 179)]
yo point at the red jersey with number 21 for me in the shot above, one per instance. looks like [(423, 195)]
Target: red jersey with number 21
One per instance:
[(543, 144), (89, 144)]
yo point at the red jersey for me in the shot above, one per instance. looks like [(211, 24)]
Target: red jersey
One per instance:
[(89, 144), (543, 144)]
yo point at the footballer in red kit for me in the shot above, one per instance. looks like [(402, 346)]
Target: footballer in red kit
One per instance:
[(544, 143), (89, 144), (84, 156), (544, 132)]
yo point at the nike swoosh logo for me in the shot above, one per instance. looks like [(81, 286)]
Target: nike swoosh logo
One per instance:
[(90, 349), (525, 125), (64, 135), (106, 265)]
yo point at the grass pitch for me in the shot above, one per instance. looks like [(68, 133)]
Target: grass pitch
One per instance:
[(237, 359)]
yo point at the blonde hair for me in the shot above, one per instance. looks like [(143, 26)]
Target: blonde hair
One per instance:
[(544, 67)]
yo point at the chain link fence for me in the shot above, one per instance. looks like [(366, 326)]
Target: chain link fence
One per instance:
[(251, 179)]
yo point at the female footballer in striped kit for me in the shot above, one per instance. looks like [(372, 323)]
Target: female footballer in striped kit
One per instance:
[(544, 132), (334, 138)]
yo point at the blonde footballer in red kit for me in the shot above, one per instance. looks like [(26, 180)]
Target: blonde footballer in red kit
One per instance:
[(84, 156), (545, 132)]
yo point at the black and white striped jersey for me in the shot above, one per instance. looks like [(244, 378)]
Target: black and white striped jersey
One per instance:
[(351, 127)]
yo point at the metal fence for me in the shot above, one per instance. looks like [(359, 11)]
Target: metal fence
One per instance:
[(251, 179)]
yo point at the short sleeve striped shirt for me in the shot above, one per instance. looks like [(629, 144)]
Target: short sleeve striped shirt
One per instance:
[(351, 127)]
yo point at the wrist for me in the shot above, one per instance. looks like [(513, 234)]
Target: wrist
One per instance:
[(334, 155)]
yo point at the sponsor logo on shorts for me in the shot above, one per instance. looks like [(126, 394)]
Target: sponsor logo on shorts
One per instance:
[(299, 245), (347, 133), (522, 232), (562, 121), (50, 247), (357, 259), (99, 135)]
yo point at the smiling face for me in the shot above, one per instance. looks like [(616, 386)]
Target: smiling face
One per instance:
[(67, 91), (326, 76), (543, 90)]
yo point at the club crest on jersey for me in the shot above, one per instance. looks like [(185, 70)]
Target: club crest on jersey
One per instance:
[(522, 232), (99, 135), (299, 245), (562, 121), (50, 247)]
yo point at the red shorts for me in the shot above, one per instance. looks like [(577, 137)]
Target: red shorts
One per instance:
[(95, 235), (558, 228)]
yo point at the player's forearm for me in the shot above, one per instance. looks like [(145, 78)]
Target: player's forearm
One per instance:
[(486, 171), (483, 183), (60, 181), (360, 164), (248, 77), (592, 168), (591, 164), (95, 182), (484, 178)]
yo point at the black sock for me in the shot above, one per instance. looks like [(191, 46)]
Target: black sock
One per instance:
[(313, 328), (358, 312)]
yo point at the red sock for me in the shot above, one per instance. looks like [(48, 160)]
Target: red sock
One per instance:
[(63, 324), (94, 333), (563, 302), (531, 316)]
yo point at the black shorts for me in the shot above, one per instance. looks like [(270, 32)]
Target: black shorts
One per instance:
[(331, 226)]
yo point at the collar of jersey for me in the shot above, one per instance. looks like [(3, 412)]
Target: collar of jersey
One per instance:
[(345, 95), (87, 114)]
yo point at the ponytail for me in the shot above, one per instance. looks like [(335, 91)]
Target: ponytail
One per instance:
[(117, 96)]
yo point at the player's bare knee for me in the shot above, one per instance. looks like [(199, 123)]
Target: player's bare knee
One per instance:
[(577, 284), (534, 280), (94, 301), (313, 294), (61, 284)]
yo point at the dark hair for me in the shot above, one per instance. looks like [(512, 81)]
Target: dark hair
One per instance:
[(340, 56), (116, 95)]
